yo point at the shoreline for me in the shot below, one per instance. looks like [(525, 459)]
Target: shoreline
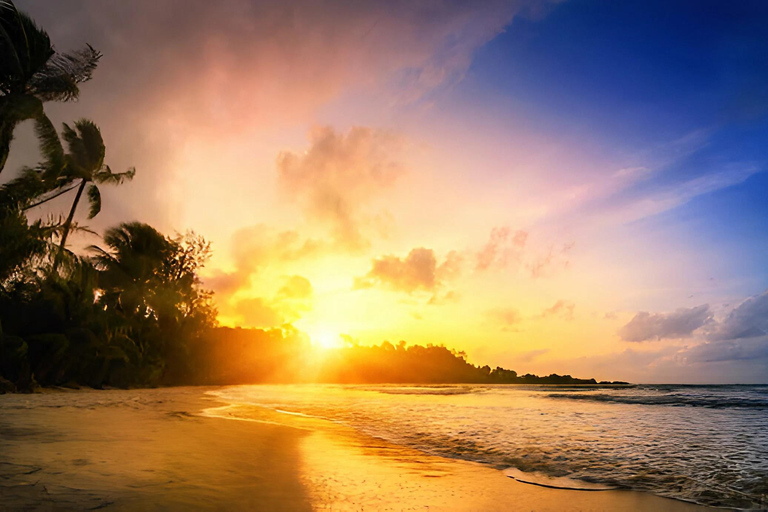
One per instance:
[(178, 449)]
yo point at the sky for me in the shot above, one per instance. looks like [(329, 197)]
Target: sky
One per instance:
[(573, 187)]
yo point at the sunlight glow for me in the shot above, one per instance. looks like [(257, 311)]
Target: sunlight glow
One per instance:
[(326, 339)]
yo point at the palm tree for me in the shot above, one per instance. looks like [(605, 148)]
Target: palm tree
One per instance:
[(151, 281), (32, 72), (84, 162), (131, 269)]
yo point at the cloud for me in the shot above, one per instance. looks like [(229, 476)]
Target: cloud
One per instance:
[(562, 309), (656, 326), (506, 316), (527, 357), (418, 271), (339, 174), (256, 312), (289, 303), (741, 336), (253, 59), (734, 349), (504, 247), (448, 297), (544, 265), (751, 349), (639, 201), (192, 92), (747, 320), (450, 269), (296, 287), (255, 247)]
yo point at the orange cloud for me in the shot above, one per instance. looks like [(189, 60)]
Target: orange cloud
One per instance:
[(289, 303), (253, 248), (338, 175), (256, 312), (503, 248), (507, 317), (296, 287), (545, 264), (562, 309), (417, 271)]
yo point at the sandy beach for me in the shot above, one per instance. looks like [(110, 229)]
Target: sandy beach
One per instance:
[(180, 449)]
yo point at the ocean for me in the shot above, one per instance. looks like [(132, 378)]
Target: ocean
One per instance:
[(703, 444)]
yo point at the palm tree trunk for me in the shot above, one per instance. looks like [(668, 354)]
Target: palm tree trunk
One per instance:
[(6, 136), (67, 226)]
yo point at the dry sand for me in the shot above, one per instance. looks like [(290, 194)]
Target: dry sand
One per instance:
[(178, 449)]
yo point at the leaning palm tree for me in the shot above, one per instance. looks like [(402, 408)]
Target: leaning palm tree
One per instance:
[(32, 72), (84, 166)]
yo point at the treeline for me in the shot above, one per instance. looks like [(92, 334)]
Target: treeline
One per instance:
[(242, 356)]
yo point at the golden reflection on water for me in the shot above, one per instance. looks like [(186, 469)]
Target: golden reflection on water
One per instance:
[(345, 470)]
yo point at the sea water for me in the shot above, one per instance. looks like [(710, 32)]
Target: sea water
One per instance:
[(705, 444)]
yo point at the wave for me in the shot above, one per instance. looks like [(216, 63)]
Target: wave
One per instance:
[(671, 399), (423, 390), (555, 482), (684, 449)]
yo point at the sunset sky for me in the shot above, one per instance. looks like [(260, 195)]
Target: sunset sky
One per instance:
[(573, 187)]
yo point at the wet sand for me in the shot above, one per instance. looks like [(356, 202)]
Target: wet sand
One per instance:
[(178, 449)]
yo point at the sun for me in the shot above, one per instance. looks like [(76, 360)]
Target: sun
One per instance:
[(326, 339)]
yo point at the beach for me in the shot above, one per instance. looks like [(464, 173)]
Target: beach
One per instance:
[(183, 449)]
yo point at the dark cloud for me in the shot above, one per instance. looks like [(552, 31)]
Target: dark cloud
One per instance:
[(339, 175), (562, 309), (504, 247), (747, 320), (418, 271), (656, 326), (741, 336), (752, 349)]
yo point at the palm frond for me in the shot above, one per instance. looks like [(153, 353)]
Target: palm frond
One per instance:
[(25, 48), (93, 143), (50, 146), (105, 175), (102, 259), (56, 224), (59, 77), (94, 196), (10, 65), (85, 148), (20, 107), (22, 189), (61, 189)]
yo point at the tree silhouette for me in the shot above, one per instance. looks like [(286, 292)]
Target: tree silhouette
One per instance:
[(130, 268), (84, 164), (32, 72)]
